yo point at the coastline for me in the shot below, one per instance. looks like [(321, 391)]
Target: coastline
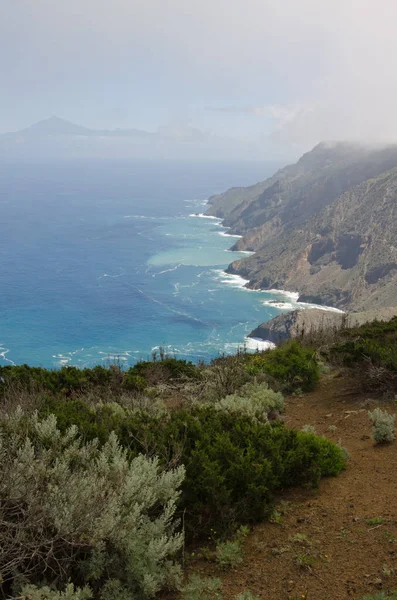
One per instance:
[(293, 304), (285, 301)]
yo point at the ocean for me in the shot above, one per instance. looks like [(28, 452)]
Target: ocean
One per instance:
[(107, 261)]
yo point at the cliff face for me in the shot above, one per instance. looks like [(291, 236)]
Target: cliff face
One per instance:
[(325, 227), (298, 322)]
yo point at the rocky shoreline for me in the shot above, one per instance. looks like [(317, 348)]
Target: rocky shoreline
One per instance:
[(299, 322)]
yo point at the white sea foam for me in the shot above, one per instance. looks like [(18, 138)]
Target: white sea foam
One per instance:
[(167, 270), (292, 295), (203, 216), (3, 352), (232, 235), (230, 279), (294, 305), (280, 305), (254, 344)]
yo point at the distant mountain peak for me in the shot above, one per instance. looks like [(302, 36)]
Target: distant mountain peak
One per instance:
[(56, 126)]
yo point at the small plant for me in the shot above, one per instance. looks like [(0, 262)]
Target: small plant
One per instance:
[(375, 521), (390, 537), (277, 550), (343, 534), (229, 554), (301, 538), (247, 596), (387, 570), (276, 517), (383, 426), (332, 428), (202, 588), (242, 532), (309, 429), (305, 561)]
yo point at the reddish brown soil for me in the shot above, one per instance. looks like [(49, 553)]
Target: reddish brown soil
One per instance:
[(324, 549)]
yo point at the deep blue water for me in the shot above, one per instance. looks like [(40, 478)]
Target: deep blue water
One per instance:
[(101, 260)]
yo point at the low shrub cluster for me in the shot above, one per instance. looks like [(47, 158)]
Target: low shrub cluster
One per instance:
[(202, 588), (382, 426), (72, 381), (102, 484), (233, 462), (290, 367), (66, 380), (371, 348), (255, 400), (76, 511)]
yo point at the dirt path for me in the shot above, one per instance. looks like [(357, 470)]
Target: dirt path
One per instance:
[(339, 541)]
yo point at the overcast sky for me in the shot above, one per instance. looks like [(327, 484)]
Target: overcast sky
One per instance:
[(289, 72)]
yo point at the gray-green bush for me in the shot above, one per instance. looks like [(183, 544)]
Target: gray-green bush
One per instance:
[(202, 588), (76, 510), (45, 593), (229, 554), (309, 429), (254, 400), (382, 426)]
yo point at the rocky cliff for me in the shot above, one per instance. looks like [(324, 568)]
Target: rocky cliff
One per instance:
[(299, 322), (325, 227)]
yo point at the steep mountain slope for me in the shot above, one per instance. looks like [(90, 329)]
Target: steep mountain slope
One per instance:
[(325, 227)]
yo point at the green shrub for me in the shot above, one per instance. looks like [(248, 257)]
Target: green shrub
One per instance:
[(46, 593), (382, 426), (254, 400), (153, 372), (202, 588), (83, 512), (229, 554), (133, 382), (373, 345), (233, 463), (66, 380), (291, 366)]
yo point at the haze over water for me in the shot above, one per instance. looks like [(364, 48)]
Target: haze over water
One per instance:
[(102, 260)]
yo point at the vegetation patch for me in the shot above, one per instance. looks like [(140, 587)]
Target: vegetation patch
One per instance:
[(292, 367)]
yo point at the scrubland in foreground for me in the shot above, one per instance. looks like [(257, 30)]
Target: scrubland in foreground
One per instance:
[(130, 484)]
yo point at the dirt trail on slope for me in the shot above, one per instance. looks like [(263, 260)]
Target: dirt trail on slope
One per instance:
[(339, 541)]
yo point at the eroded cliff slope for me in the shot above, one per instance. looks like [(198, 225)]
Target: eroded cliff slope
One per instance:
[(325, 227)]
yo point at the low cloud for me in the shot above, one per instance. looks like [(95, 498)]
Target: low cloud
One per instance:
[(311, 70)]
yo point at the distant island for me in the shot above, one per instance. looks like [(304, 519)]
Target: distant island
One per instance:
[(59, 138)]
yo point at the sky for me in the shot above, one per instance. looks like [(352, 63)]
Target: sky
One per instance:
[(284, 74)]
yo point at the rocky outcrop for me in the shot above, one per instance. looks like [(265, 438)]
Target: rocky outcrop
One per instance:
[(298, 322)]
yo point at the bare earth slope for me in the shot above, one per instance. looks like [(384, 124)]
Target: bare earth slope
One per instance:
[(327, 546)]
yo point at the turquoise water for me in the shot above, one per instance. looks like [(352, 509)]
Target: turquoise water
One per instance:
[(105, 261)]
